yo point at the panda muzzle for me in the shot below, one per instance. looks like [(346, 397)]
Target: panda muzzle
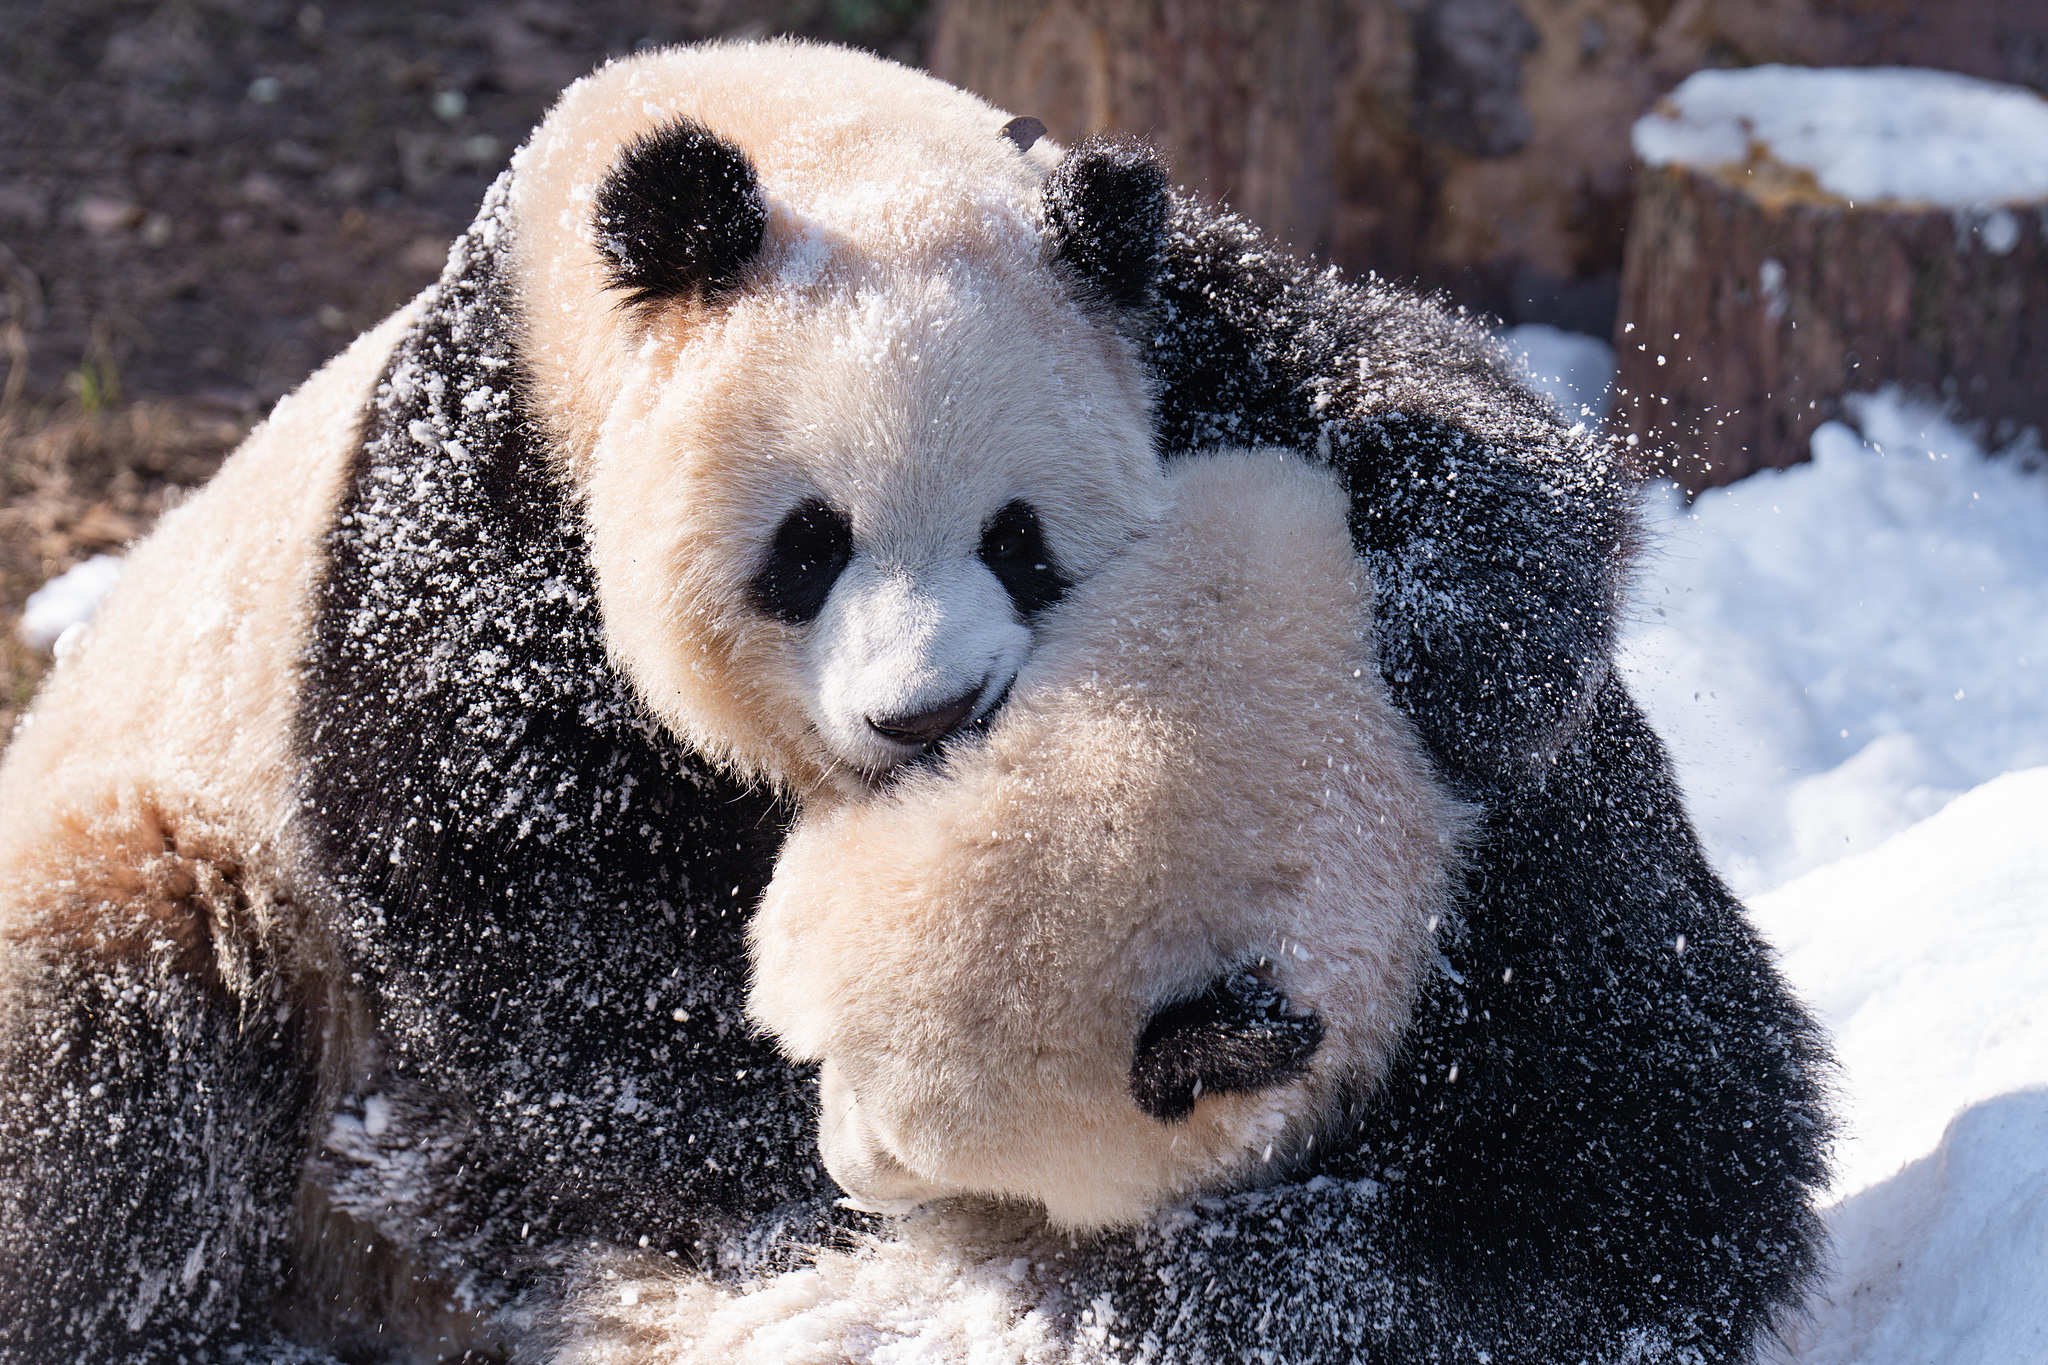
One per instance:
[(919, 728)]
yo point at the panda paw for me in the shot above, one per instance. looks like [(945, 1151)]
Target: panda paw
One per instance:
[(1237, 1036)]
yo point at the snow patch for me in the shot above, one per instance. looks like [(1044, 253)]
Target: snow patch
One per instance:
[(1849, 662), (948, 1288), (1924, 958), (1868, 134), (67, 602), (1834, 651)]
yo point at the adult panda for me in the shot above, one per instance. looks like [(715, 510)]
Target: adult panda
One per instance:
[(375, 871)]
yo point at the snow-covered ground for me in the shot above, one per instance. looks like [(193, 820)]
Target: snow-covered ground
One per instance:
[(1837, 650), (1849, 661)]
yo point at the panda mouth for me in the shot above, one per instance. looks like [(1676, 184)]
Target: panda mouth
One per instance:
[(932, 756)]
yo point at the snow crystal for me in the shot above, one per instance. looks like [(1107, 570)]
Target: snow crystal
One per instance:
[(1571, 369), (1869, 134), (68, 601)]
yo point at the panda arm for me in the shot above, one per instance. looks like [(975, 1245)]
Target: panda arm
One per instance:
[(1496, 536), (541, 892), (1600, 1142)]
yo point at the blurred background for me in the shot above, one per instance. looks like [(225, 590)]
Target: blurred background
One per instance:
[(201, 200)]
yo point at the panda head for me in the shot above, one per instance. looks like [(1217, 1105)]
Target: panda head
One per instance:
[(1157, 930), (844, 387)]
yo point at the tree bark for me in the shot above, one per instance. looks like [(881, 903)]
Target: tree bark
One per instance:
[(1477, 146), (1752, 302), (1239, 93)]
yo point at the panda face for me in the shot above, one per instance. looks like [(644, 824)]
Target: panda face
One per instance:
[(828, 506), (825, 541), (930, 519), (842, 386), (906, 643)]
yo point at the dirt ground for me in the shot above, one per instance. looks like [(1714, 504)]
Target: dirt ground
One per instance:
[(201, 200)]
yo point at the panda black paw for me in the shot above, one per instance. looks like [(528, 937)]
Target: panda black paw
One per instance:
[(1236, 1036)]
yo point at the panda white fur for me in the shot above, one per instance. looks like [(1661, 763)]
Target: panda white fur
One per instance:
[(374, 877), (1161, 927)]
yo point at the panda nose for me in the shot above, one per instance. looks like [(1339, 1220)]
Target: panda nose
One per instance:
[(922, 727)]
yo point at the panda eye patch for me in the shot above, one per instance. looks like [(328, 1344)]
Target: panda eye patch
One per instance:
[(811, 549), (1013, 546)]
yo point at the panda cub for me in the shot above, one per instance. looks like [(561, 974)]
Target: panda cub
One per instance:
[(1161, 926)]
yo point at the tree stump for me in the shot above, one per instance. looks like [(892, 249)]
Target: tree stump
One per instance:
[(1754, 298), (1476, 146)]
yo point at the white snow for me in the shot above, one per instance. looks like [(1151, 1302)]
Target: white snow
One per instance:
[(1867, 134), (1836, 650), (1925, 957), (67, 602), (1849, 661), (1573, 370)]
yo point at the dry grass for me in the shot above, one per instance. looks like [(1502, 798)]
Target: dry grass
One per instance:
[(74, 484)]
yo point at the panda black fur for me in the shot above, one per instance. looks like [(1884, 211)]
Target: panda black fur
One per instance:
[(334, 989)]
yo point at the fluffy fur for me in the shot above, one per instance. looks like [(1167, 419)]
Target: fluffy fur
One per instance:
[(372, 880), (1197, 776)]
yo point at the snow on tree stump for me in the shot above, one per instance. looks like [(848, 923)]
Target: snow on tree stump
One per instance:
[(1804, 234)]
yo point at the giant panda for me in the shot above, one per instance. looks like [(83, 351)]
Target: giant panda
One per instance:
[(376, 871)]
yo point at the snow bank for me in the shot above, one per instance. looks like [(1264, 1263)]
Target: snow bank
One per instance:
[(1849, 661), (1871, 134), (1837, 650), (68, 600), (1925, 958)]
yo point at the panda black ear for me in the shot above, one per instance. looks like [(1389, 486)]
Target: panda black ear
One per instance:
[(680, 214), (1105, 212)]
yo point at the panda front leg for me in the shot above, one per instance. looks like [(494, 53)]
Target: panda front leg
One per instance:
[(157, 1109)]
